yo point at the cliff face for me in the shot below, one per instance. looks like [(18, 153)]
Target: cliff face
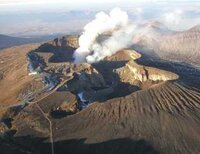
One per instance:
[(142, 74), (84, 77), (58, 50), (136, 74)]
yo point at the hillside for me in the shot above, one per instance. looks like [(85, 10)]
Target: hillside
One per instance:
[(126, 103), (14, 79), (10, 41)]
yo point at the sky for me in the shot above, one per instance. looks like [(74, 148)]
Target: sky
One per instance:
[(66, 1), (44, 17)]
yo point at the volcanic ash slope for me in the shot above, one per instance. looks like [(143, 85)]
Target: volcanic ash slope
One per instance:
[(161, 118)]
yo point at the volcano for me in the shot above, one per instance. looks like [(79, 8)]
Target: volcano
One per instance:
[(129, 102)]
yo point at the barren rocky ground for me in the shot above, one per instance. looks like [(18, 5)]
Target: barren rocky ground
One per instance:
[(126, 103)]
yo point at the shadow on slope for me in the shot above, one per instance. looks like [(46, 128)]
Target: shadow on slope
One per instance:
[(188, 74), (106, 69), (60, 53), (59, 49), (78, 146)]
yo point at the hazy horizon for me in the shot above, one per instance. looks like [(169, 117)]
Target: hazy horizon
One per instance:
[(42, 17)]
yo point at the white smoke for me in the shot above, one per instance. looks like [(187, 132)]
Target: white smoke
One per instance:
[(174, 17), (117, 23)]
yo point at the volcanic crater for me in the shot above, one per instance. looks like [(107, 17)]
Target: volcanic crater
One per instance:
[(114, 106)]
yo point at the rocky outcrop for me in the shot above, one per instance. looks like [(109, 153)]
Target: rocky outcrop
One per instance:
[(133, 72), (69, 40), (138, 75)]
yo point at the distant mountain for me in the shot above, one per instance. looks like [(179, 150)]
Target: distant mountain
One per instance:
[(195, 28), (10, 41), (181, 46)]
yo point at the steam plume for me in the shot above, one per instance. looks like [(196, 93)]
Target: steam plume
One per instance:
[(116, 22)]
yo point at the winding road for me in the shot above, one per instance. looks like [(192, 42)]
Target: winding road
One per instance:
[(50, 127)]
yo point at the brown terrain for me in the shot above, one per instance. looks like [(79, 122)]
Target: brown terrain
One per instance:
[(14, 77), (120, 105)]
